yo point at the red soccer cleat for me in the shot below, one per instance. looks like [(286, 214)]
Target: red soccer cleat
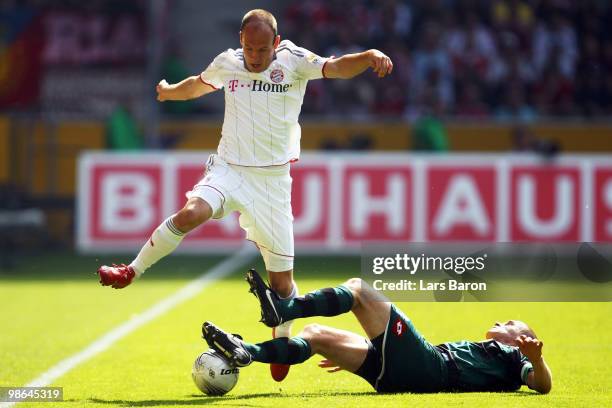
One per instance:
[(278, 371), (117, 276)]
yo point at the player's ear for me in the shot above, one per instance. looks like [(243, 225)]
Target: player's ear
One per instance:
[(241, 39), (276, 41)]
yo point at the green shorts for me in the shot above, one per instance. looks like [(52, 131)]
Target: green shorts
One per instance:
[(401, 360)]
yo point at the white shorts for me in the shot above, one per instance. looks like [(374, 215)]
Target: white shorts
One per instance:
[(262, 196)]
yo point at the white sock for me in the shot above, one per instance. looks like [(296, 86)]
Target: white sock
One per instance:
[(164, 240), (284, 330)]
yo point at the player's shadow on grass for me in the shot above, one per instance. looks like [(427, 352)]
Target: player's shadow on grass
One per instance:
[(201, 400), (196, 399)]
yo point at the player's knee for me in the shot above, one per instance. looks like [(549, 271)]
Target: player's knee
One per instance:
[(317, 336), (310, 331), (192, 215), (356, 286)]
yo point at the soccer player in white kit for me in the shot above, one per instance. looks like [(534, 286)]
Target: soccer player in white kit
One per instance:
[(264, 84)]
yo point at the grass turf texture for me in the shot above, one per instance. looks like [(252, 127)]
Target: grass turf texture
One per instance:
[(52, 307)]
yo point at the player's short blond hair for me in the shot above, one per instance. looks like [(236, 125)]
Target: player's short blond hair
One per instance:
[(260, 15)]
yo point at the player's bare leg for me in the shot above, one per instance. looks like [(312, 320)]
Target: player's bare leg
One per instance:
[(343, 349), (195, 212), (282, 283), (371, 308), (166, 237)]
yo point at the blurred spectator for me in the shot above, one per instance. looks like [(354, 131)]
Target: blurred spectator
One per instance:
[(470, 101), (123, 132), (556, 54), (555, 43), (429, 132), (432, 66), (516, 17), (471, 48)]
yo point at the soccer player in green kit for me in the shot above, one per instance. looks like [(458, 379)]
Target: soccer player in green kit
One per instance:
[(394, 357)]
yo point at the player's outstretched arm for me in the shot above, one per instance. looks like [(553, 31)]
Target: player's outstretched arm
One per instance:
[(188, 88), (540, 379), (350, 65)]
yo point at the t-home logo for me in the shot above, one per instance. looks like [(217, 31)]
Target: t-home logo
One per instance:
[(258, 86)]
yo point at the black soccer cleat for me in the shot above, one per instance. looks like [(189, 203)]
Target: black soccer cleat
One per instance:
[(230, 345), (268, 299)]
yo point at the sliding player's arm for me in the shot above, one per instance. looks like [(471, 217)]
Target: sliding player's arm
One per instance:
[(540, 379), (351, 65), (189, 88)]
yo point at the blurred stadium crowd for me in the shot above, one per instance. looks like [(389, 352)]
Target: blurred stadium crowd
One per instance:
[(503, 59)]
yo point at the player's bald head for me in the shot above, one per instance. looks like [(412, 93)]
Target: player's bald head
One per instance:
[(258, 19), (259, 39)]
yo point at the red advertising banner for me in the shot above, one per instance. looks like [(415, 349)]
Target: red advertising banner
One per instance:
[(342, 201)]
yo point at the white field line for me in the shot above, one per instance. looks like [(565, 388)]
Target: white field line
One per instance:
[(194, 287)]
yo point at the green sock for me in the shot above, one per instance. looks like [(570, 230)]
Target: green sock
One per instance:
[(281, 351), (322, 302)]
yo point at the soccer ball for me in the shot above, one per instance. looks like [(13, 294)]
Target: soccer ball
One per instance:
[(213, 374)]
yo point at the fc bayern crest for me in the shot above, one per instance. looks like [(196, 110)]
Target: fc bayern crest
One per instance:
[(277, 76)]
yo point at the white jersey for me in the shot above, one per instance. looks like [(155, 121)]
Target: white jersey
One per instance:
[(260, 127)]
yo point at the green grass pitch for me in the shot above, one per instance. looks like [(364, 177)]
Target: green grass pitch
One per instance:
[(51, 307)]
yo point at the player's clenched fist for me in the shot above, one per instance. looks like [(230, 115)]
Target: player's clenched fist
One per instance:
[(380, 63), (161, 89), (531, 348)]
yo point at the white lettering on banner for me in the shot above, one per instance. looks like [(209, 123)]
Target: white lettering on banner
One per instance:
[(562, 218), (608, 199), (363, 205), (126, 203), (310, 218), (462, 204), (370, 201)]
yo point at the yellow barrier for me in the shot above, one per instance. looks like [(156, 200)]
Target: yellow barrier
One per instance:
[(398, 136)]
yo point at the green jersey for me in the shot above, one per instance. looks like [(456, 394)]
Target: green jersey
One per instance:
[(486, 366), (401, 360)]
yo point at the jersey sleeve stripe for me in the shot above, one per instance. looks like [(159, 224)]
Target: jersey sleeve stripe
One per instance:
[(208, 83), (294, 52)]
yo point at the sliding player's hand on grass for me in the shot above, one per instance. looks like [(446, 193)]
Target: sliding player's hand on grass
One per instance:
[(531, 348), (333, 367)]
